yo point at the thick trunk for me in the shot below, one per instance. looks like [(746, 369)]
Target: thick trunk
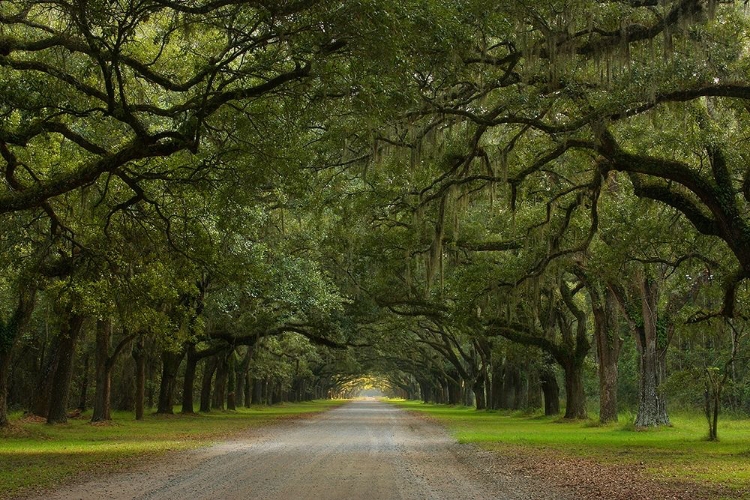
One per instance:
[(189, 380), (551, 391), (534, 392), (151, 369), (497, 385), (220, 383), (84, 397), (575, 405), (242, 384), (209, 367), (60, 388), (103, 372), (10, 332), (105, 364), (5, 356), (479, 392), (426, 389), (608, 390), (123, 396), (248, 390), (170, 364), (652, 405), (240, 389), (608, 345), (40, 406), (139, 355), (231, 379), (257, 391)]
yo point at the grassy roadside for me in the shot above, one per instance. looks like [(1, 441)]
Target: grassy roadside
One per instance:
[(34, 455), (679, 453)]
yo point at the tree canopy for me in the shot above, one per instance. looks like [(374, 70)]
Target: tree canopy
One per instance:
[(463, 202)]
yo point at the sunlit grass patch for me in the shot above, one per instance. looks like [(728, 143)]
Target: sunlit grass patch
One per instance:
[(678, 452)]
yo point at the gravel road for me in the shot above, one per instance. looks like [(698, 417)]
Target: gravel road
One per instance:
[(362, 450)]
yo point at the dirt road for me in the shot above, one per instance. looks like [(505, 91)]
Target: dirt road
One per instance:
[(362, 450)]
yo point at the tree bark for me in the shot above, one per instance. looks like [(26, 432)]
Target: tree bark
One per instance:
[(139, 355), (242, 379), (170, 364), (60, 388), (652, 405), (575, 397), (550, 390), (103, 373), (231, 381), (193, 357), (40, 406), (5, 358), (83, 399), (10, 332), (209, 367), (479, 392), (608, 344), (248, 390), (498, 372), (220, 382), (104, 366), (454, 391), (189, 380), (257, 391)]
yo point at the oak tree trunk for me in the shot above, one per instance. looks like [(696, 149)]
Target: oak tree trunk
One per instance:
[(170, 364), (41, 402), (10, 332), (188, 382), (209, 367), (83, 399), (102, 396), (139, 355), (248, 390), (575, 404), (242, 379), (608, 344), (5, 357), (652, 405), (231, 381), (63, 376), (479, 394), (220, 383), (550, 390)]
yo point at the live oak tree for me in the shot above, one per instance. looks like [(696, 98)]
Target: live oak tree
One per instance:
[(202, 175), (582, 78)]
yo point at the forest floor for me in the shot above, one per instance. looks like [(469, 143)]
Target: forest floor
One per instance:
[(373, 450)]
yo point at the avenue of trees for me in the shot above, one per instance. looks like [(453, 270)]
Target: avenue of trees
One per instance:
[(513, 205)]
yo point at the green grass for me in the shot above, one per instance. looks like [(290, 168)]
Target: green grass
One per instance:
[(34, 455), (679, 452)]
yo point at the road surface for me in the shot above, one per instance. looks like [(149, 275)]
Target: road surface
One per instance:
[(362, 450)]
